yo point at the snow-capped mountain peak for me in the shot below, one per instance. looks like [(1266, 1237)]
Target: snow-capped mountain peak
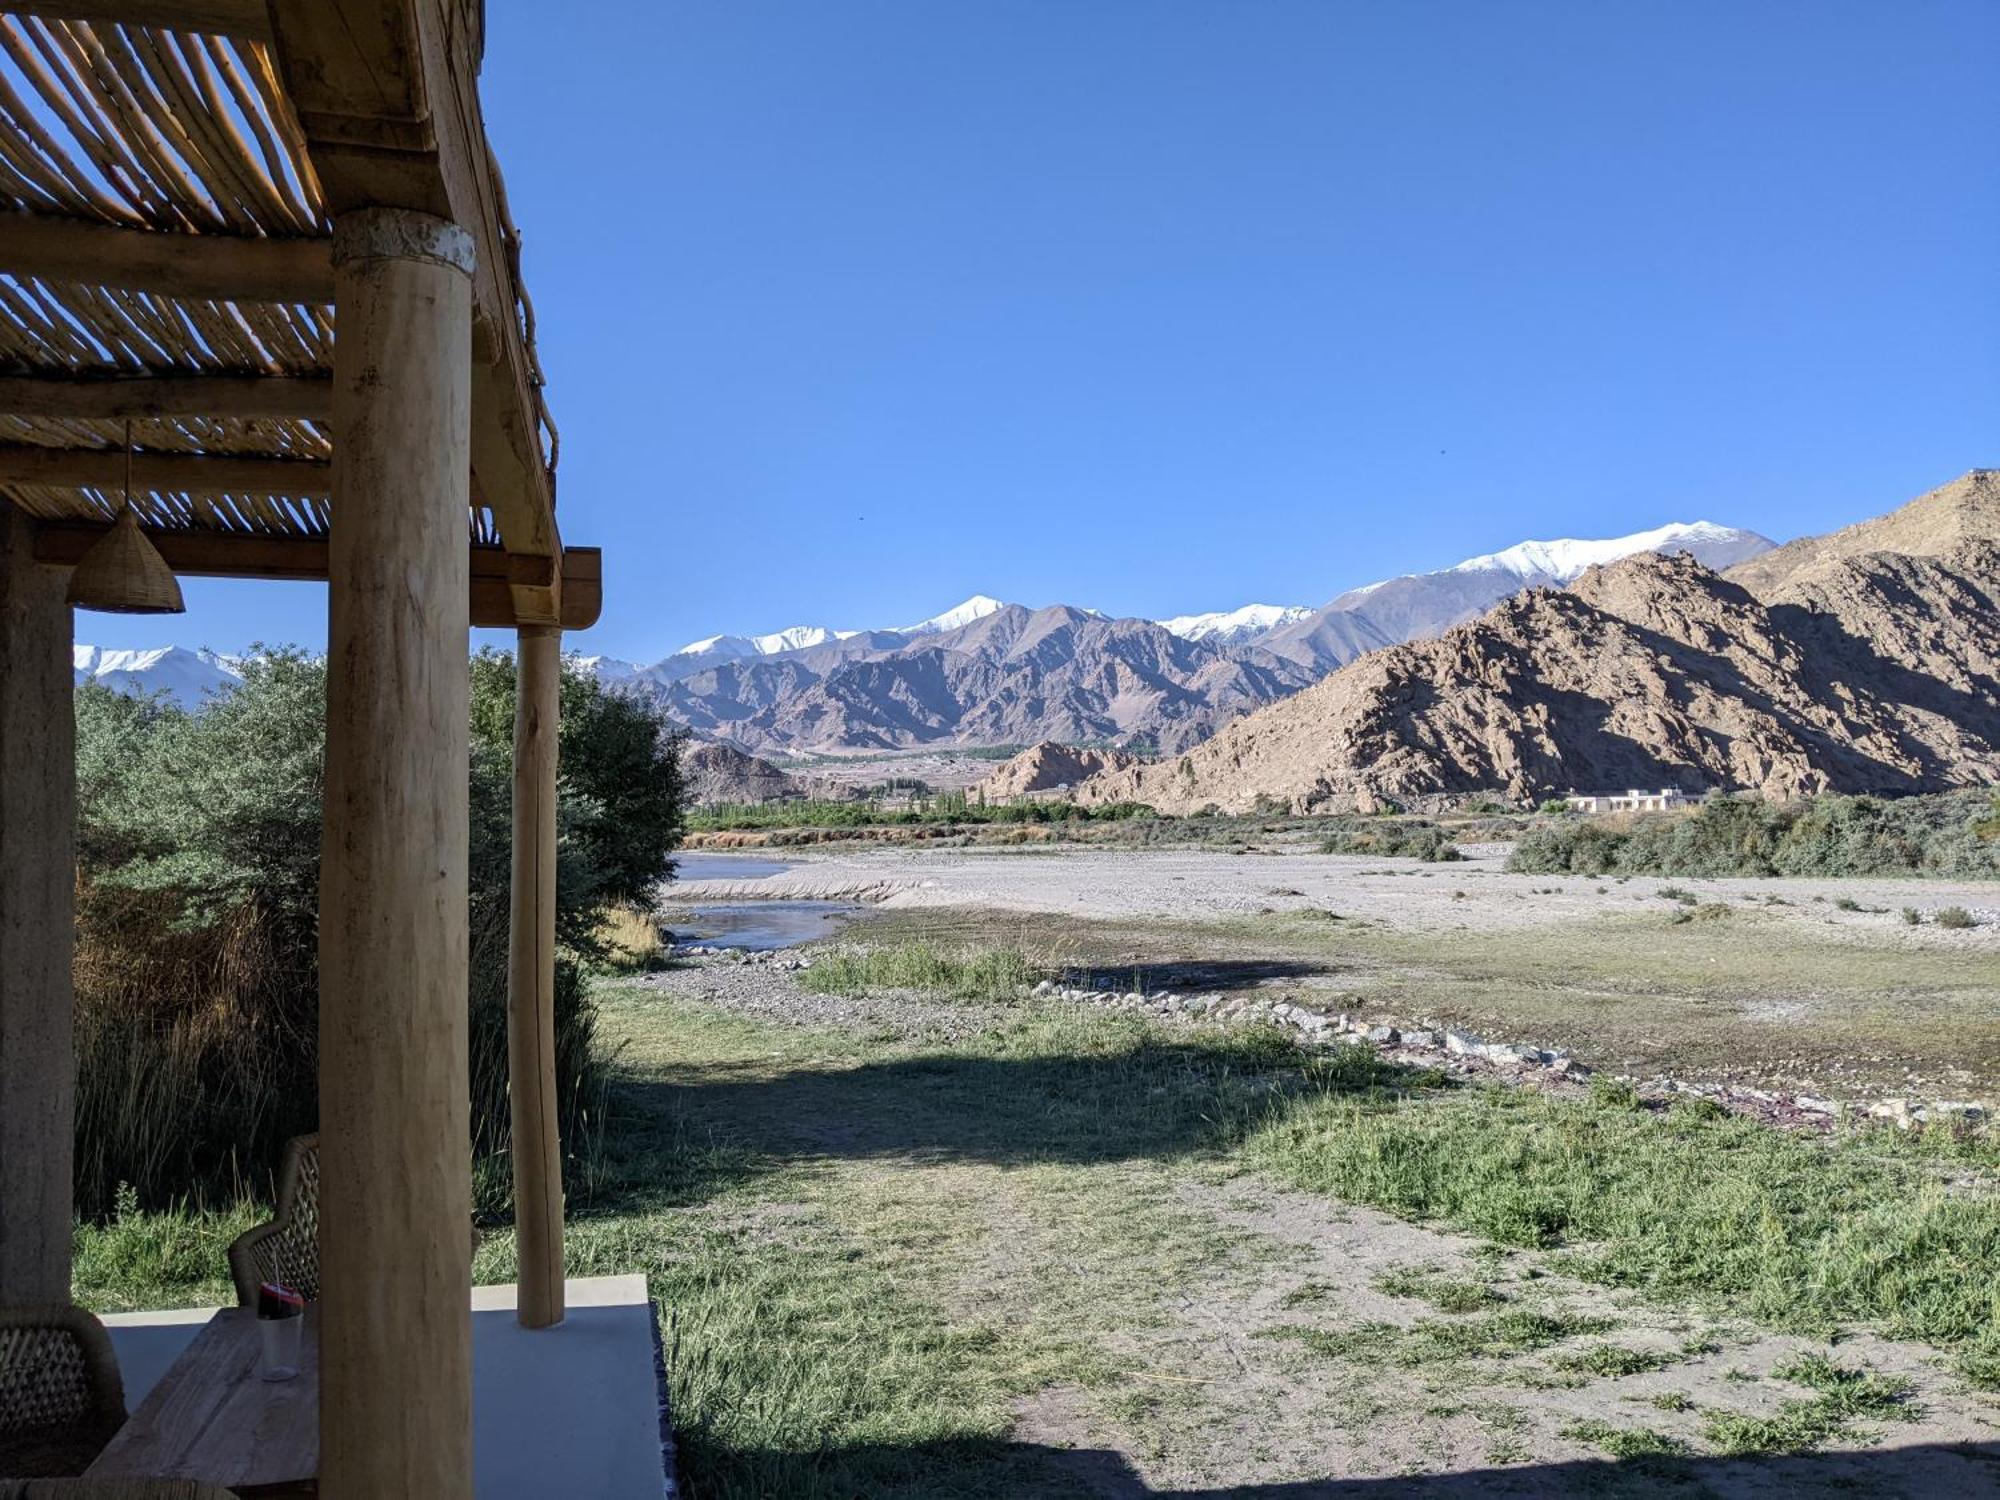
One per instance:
[(978, 607), (715, 649), (189, 678), (1228, 627), (609, 668), (1567, 558), (792, 638)]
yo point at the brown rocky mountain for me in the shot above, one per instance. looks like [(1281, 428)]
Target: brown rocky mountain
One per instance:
[(1854, 670), (722, 773), (1967, 509), (1049, 766), (1014, 676), (1418, 605), (987, 673)]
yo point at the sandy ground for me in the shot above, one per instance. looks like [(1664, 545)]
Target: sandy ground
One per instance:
[(1474, 895)]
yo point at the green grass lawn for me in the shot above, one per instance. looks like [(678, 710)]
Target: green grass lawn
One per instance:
[(871, 1249)]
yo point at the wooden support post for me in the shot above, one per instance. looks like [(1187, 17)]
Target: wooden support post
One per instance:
[(37, 922), (395, 1149), (531, 981)]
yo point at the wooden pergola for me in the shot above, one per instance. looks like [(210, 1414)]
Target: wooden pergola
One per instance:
[(194, 196)]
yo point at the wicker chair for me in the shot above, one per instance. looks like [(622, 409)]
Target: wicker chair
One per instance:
[(111, 1489), (286, 1250), (61, 1399)]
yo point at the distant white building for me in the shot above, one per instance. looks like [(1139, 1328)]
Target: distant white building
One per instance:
[(1633, 800)]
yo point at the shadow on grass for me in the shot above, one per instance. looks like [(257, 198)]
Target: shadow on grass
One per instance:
[(1187, 976), (1135, 1096), (1035, 1472)]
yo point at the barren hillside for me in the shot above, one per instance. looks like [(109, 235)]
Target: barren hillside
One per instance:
[(1049, 765), (1856, 671), (1967, 509), (723, 773)]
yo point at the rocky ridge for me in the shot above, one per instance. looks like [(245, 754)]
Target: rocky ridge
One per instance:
[(1012, 676), (1049, 766), (1853, 671), (1933, 524), (719, 773)]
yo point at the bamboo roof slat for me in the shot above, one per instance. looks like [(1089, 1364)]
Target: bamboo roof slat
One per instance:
[(130, 123)]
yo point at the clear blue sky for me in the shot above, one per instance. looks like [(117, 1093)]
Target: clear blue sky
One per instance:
[(853, 309)]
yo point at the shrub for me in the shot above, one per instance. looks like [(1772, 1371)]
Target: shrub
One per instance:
[(197, 916), (1411, 840), (946, 810), (1581, 847), (1940, 835), (630, 939), (1955, 917)]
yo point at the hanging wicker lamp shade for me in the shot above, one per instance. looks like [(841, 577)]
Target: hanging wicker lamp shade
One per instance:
[(124, 574)]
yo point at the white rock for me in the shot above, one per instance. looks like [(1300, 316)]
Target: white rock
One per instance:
[(1896, 1111)]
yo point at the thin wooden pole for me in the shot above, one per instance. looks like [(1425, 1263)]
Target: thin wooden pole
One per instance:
[(395, 1148), (531, 981), (37, 922)]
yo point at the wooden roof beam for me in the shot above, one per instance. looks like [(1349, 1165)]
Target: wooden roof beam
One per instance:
[(98, 399), (247, 19), (387, 93), (496, 573), (217, 267), (174, 473)]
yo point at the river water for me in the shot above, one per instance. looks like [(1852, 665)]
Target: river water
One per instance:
[(755, 925)]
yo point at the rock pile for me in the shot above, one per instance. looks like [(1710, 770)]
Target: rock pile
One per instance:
[(1469, 1054), (1430, 1044)]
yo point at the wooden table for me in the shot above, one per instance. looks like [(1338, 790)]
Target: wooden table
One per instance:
[(213, 1417)]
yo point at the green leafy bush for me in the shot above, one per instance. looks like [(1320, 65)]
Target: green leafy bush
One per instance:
[(1415, 839), (946, 809), (197, 916), (1939, 835)]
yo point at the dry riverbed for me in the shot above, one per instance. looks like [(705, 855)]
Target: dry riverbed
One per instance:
[(1816, 987)]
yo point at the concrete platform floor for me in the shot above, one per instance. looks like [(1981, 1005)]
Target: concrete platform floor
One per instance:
[(569, 1410)]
